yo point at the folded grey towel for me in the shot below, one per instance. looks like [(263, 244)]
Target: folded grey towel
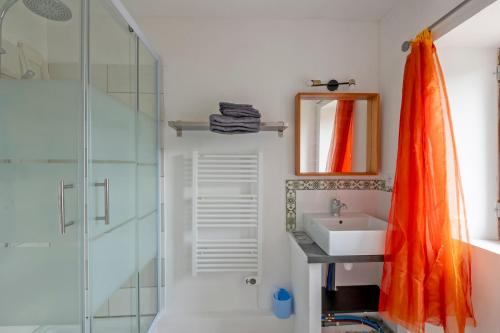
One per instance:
[(226, 105), (232, 129), (239, 126), (218, 119), (233, 125), (241, 113)]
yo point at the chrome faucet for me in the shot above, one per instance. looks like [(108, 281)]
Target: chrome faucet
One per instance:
[(335, 206)]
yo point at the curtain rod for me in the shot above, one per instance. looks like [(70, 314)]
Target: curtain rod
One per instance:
[(406, 44)]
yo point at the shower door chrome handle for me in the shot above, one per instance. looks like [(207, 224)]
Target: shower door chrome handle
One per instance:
[(105, 218), (62, 208)]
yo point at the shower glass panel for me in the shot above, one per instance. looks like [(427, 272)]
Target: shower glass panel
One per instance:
[(79, 180), (147, 187), (41, 163), (112, 184)]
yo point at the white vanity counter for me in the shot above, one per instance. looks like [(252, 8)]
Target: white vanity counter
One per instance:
[(311, 300)]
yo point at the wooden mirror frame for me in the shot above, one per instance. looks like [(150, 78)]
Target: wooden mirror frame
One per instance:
[(373, 131)]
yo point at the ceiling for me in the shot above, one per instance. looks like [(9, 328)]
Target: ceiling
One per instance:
[(291, 9), (481, 30)]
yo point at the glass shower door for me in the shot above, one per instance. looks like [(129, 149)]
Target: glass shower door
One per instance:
[(41, 222), (112, 216), (64, 162)]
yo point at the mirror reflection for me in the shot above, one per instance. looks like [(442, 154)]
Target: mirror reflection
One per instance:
[(335, 135)]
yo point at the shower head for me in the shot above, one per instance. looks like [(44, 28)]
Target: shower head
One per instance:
[(54, 10)]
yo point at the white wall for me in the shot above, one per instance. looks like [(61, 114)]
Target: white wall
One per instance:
[(264, 62), (404, 22)]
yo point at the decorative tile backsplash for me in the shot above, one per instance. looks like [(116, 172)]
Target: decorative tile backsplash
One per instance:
[(292, 186)]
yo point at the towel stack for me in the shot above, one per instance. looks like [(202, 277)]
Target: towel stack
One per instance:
[(235, 119)]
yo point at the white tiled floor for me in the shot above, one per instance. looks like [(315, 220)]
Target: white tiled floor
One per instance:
[(225, 322), (17, 329), (41, 329), (101, 325)]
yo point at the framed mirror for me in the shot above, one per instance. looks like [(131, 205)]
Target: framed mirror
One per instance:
[(337, 134)]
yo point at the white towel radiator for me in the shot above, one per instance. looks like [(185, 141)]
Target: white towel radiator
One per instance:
[(227, 214)]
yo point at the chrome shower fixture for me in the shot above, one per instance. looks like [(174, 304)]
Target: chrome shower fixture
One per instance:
[(54, 10)]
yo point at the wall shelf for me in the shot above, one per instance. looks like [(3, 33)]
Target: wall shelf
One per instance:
[(180, 126)]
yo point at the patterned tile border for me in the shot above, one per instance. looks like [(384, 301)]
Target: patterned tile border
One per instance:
[(292, 186)]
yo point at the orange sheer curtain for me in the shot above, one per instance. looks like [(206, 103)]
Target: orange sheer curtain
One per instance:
[(427, 272), (340, 152)]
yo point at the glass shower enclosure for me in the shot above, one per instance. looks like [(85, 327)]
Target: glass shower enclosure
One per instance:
[(79, 169)]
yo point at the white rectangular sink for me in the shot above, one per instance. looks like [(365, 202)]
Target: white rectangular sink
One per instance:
[(347, 235)]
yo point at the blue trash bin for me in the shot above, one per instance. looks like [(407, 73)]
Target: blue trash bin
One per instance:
[(282, 304)]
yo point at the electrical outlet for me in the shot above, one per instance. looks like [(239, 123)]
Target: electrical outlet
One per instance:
[(251, 280)]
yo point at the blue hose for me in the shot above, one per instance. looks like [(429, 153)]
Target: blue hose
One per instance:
[(329, 277), (370, 323)]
